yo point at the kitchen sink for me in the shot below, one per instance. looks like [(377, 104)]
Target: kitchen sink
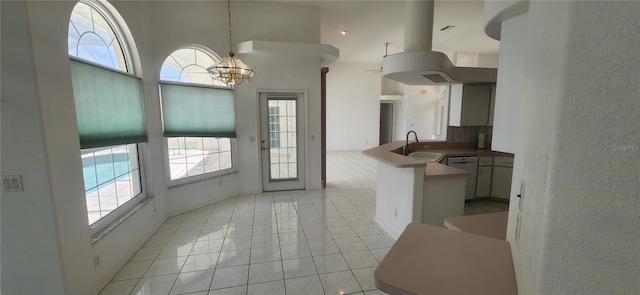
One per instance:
[(425, 156)]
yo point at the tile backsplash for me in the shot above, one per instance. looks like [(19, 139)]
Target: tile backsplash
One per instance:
[(469, 134)]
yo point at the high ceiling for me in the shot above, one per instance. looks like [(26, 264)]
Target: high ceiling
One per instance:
[(370, 23)]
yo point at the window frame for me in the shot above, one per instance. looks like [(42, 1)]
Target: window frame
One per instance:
[(171, 183), (204, 176), (112, 217)]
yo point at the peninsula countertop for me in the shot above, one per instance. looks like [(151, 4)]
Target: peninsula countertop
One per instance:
[(390, 154), (431, 260), (492, 225)]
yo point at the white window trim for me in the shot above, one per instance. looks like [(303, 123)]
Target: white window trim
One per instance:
[(108, 222)]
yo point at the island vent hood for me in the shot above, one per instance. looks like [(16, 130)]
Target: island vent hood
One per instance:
[(418, 65)]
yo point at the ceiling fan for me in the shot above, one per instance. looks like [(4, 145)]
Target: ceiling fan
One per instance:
[(386, 47)]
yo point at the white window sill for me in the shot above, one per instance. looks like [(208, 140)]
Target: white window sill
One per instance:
[(200, 178), (107, 229)]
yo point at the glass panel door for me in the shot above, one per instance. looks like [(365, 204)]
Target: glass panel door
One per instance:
[(282, 141)]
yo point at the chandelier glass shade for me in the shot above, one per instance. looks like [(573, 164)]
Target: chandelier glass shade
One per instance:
[(231, 70)]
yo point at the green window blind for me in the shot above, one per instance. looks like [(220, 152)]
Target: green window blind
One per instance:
[(197, 111), (108, 106)]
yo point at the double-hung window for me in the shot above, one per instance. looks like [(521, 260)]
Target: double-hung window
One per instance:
[(109, 112), (198, 115)]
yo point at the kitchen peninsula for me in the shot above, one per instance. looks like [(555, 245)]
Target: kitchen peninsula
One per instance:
[(410, 190)]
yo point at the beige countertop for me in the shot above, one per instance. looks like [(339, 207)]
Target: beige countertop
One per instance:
[(428, 259), (390, 153), (492, 225), (435, 170)]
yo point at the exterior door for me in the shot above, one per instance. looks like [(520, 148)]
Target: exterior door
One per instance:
[(282, 136)]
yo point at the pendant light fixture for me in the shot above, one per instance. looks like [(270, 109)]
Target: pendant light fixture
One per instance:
[(231, 70)]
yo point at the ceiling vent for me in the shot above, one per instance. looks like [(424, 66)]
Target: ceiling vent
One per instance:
[(418, 64), (436, 78)]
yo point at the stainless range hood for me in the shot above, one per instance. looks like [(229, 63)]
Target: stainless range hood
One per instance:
[(418, 65)]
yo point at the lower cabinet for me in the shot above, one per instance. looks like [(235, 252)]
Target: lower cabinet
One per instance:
[(501, 183), (483, 187)]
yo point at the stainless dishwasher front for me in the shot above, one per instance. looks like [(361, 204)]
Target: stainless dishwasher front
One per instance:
[(468, 164)]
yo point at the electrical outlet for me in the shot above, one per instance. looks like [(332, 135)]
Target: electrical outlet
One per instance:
[(395, 213)]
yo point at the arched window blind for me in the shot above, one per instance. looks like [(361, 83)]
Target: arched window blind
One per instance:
[(197, 111)]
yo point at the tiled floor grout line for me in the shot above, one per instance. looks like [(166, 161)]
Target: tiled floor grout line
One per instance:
[(215, 268)]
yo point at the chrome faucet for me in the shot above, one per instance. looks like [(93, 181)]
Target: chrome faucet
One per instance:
[(405, 150)]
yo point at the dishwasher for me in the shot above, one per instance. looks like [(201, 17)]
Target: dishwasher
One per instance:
[(468, 164)]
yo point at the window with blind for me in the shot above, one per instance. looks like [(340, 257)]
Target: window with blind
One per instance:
[(198, 115), (109, 111)]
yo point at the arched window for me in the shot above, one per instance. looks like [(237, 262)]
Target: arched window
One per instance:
[(108, 100), (93, 37), (198, 116), (189, 65)]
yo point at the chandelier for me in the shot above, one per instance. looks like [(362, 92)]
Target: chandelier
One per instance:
[(231, 70)]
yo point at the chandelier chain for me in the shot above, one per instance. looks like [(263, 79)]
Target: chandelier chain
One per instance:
[(229, 10)]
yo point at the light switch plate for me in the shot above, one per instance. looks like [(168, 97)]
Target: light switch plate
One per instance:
[(521, 199), (518, 228), (11, 183)]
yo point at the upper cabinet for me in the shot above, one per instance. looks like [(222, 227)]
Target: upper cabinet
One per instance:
[(470, 105)]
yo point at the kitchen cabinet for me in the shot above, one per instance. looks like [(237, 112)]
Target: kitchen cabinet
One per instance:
[(502, 175), (469, 105), (483, 187)]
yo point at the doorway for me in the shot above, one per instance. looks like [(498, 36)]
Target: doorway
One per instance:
[(387, 111), (282, 125)]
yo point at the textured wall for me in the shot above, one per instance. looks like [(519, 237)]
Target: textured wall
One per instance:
[(592, 238), (578, 151)]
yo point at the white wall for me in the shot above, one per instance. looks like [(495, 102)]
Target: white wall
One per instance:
[(508, 92), (273, 23), (30, 244), (476, 60), (49, 24), (353, 107), (422, 111), (578, 151), (47, 236)]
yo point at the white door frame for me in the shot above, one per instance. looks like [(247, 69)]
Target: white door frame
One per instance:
[(393, 117), (304, 98)]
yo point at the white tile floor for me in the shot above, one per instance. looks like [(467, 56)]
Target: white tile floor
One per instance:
[(290, 242)]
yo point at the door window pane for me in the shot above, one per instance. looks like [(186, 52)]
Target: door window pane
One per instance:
[(283, 147)]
